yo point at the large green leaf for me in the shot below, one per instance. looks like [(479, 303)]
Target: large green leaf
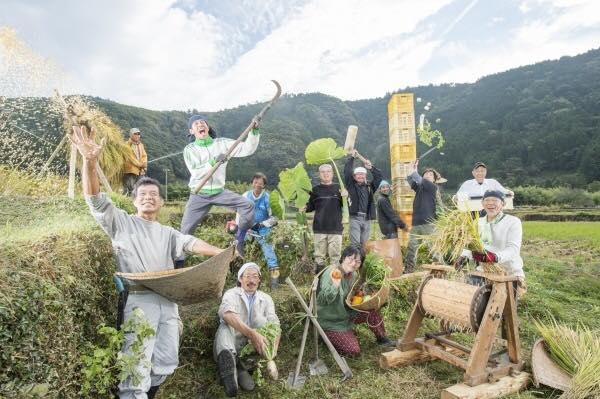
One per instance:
[(323, 150), (294, 184), (277, 204)]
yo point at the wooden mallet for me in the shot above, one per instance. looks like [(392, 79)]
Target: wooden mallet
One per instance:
[(350, 140)]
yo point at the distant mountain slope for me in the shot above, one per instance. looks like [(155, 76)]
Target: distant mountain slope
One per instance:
[(538, 124)]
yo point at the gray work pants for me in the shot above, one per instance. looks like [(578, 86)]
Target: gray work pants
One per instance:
[(360, 228), (414, 242), (162, 349), (199, 205), (129, 180), (227, 338)]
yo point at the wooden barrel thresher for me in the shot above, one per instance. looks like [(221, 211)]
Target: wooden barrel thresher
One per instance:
[(460, 304)]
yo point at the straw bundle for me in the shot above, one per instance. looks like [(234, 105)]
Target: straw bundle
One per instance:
[(454, 231), (115, 151), (577, 352)]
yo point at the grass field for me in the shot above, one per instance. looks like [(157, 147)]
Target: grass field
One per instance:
[(588, 232), (563, 277)]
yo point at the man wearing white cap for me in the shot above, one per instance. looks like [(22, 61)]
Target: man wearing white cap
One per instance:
[(243, 309), (360, 198), (136, 160)]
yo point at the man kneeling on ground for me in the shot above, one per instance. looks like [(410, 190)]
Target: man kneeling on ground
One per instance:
[(243, 309), (334, 317)]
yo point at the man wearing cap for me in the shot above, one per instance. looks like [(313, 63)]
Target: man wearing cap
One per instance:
[(360, 198), (424, 210), (501, 235), (200, 156), (141, 244), (326, 201), (476, 187), (136, 160), (389, 221), (243, 309), (263, 221)]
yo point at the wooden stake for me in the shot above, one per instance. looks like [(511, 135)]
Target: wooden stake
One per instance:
[(72, 166)]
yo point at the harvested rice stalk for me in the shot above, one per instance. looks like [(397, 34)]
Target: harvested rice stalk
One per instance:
[(577, 352), (115, 151), (454, 230)]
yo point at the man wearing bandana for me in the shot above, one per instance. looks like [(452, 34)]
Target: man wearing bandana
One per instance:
[(501, 235)]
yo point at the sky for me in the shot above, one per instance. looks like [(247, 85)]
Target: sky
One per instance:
[(217, 54)]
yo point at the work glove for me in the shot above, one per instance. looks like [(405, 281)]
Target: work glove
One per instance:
[(485, 257), (270, 222), (222, 158)]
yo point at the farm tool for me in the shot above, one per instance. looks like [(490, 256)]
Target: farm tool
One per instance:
[(223, 158), (480, 310), (317, 367)]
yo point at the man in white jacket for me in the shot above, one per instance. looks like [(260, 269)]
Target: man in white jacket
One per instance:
[(200, 156), (476, 187), (501, 235)]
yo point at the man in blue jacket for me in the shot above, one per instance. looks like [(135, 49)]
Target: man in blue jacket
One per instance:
[(263, 221)]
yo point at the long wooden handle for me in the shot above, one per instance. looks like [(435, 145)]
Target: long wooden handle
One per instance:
[(336, 356)]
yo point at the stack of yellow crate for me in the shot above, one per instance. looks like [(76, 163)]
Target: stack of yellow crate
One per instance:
[(403, 150)]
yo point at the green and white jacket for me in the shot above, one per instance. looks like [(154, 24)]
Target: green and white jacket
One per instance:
[(201, 155)]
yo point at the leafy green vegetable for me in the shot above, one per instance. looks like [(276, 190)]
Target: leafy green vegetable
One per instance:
[(295, 185), (374, 270), (427, 134), (270, 331), (277, 204), (322, 151)]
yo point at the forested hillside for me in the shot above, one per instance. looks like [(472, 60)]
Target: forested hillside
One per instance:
[(538, 124)]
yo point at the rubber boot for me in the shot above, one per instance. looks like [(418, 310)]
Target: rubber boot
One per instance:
[(274, 272), (227, 372), (179, 263), (152, 391), (240, 237)]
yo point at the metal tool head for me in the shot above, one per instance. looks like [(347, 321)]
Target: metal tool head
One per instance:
[(318, 367), (295, 381)]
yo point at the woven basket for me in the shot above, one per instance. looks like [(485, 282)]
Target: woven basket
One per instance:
[(391, 253), (189, 285), (376, 301), (545, 370)]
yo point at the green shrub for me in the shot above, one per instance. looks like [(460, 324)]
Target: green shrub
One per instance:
[(596, 198), (573, 197), (533, 195), (594, 186), (55, 291)]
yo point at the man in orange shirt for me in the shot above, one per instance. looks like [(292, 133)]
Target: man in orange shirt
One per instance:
[(136, 161)]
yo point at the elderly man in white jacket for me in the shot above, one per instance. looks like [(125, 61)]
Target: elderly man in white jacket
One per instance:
[(501, 235), (243, 309)]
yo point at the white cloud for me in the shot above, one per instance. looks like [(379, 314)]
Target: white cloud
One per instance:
[(168, 54)]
